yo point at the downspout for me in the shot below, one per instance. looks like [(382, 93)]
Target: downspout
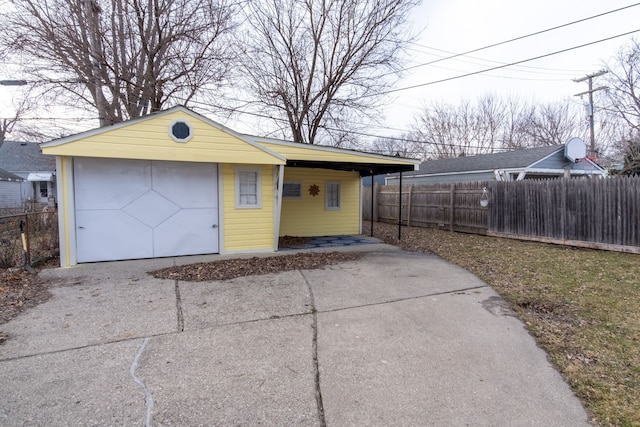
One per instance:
[(278, 177)]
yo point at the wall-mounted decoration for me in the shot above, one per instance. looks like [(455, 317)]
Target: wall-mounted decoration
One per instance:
[(314, 190)]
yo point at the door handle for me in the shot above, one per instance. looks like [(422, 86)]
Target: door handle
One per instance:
[(214, 226)]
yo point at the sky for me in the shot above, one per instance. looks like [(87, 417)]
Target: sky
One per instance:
[(448, 27), (457, 26)]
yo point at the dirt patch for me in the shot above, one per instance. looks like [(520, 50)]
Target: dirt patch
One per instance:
[(291, 241), (232, 268)]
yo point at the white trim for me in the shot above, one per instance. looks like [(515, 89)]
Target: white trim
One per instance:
[(278, 204), (175, 138), (361, 192), (220, 208), (526, 170), (249, 169), (326, 196)]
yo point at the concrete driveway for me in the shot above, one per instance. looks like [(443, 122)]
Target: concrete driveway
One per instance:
[(395, 338)]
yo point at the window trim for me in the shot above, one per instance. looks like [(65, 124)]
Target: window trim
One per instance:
[(327, 193), (258, 171), (298, 183), (175, 138)]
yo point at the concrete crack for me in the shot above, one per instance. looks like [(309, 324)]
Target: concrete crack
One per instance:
[(314, 353), (148, 397), (179, 308)]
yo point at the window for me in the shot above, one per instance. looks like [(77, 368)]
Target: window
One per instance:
[(248, 183), (180, 131), (44, 191), (332, 200), (291, 190)]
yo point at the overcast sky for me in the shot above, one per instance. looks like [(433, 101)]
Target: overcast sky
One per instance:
[(456, 26)]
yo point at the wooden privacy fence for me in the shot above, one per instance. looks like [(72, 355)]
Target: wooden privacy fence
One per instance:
[(455, 207), (596, 213)]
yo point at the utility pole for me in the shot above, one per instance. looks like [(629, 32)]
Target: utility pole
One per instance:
[(589, 78)]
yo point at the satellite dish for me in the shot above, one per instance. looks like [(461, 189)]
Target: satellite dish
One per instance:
[(575, 149)]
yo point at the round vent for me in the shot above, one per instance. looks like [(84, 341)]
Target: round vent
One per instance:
[(180, 131)]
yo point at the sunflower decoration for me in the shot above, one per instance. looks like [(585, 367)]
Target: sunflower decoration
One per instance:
[(314, 190)]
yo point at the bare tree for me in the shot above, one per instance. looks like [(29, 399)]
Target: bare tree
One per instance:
[(549, 124), (490, 124), (623, 81), (123, 58), (14, 114), (631, 164), (311, 62), (463, 129), (402, 146)]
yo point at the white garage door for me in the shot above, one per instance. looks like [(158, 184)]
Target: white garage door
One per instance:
[(130, 209)]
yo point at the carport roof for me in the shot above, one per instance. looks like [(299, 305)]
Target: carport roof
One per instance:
[(320, 156)]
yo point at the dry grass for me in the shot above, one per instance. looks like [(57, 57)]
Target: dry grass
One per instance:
[(581, 305)]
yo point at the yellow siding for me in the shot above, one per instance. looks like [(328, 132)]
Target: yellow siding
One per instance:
[(149, 139), (307, 216), (247, 229), (313, 153)]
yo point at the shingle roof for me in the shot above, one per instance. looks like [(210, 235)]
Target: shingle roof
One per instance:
[(505, 160), (17, 156), (8, 176)]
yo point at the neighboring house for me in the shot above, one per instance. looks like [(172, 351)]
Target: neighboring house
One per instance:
[(377, 180), (176, 183), (26, 160), (554, 161), (10, 190)]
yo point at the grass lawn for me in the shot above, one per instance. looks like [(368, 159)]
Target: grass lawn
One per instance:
[(581, 305)]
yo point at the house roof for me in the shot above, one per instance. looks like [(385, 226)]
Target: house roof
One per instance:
[(506, 160), (8, 176), (144, 138), (19, 156)]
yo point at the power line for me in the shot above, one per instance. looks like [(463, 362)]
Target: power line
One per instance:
[(524, 68), (520, 37), (507, 65)]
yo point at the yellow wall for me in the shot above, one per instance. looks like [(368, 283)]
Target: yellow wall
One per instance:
[(149, 139), (307, 216), (247, 229)]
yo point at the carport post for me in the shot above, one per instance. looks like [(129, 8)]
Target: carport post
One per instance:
[(372, 202), (400, 209)]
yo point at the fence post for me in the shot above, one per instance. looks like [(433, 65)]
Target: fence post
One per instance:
[(26, 233), (452, 205), (375, 209), (409, 199), (563, 209)]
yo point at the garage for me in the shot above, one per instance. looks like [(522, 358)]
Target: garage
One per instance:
[(131, 209)]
